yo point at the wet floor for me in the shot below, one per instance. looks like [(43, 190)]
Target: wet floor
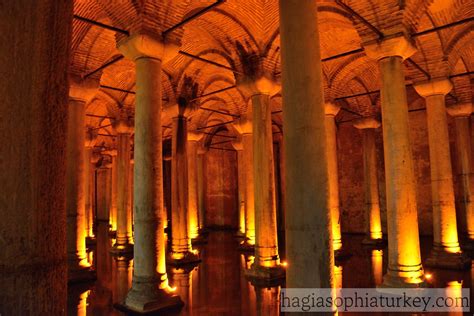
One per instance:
[(217, 286)]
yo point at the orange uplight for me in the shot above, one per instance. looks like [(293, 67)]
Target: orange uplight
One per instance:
[(428, 276), (172, 289), (284, 264)]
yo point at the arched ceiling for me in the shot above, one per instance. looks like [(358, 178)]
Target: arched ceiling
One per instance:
[(253, 24)]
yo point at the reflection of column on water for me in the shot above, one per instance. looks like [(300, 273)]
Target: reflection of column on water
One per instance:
[(181, 283), (454, 290), (101, 295), (268, 300), (338, 276), (247, 294), (123, 268), (77, 301), (377, 266)]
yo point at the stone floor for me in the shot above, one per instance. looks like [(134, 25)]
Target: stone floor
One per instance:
[(217, 286)]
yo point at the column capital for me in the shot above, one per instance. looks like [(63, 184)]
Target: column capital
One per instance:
[(95, 157), (180, 109), (194, 136), (82, 89), (237, 144), (201, 150), (264, 84), (243, 125), (460, 110), (105, 163), (145, 45), (111, 152), (331, 109), (433, 87), (400, 46), (366, 122), (91, 137), (123, 126)]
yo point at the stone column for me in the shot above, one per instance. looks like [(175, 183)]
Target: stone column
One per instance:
[(462, 118), (113, 191), (446, 252), (103, 190), (78, 265), (331, 111), (90, 140), (373, 223), (309, 249), (244, 128), (241, 185), (148, 293), (181, 252), (267, 261), (200, 180), (404, 267), (193, 194), (123, 243)]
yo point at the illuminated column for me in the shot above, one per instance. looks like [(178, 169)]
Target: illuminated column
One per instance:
[(338, 276), (123, 243), (331, 111), (200, 183), (446, 252), (404, 267), (309, 249), (373, 222), (113, 190), (193, 195), (78, 266), (377, 266), (267, 261), (103, 190), (181, 251), (148, 292), (462, 118), (90, 140), (244, 128), (241, 186)]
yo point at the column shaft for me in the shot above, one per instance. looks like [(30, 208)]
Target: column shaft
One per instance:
[(193, 203), (124, 234), (113, 195), (331, 146), (88, 191), (247, 144), (241, 187), (200, 184), (371, 187), (103, 193), (308, 226), (266, 244), (180, 242), (463, 146), (402, 219), (75, 188)]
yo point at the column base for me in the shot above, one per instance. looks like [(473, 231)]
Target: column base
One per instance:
[(81, 274), (245, 246), (189, 258), (404, 279), (439, 258), (122, 249), (266, 276), (145, 303), (376, 243)]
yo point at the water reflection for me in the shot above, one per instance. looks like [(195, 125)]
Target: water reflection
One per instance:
[(218, 286)]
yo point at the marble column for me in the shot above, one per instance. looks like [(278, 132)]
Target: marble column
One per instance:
[(193, 194), (90, 140), (237, 144), (181, 251), (331, 111), (113, 190), (123, 243), (201, 151), (148, 292), (373, 222), (309, 249), (78, 265), (267, 260), (446, 252), (462, 119), (244, 128), (404, 267), (33, 115), (104, 182)]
